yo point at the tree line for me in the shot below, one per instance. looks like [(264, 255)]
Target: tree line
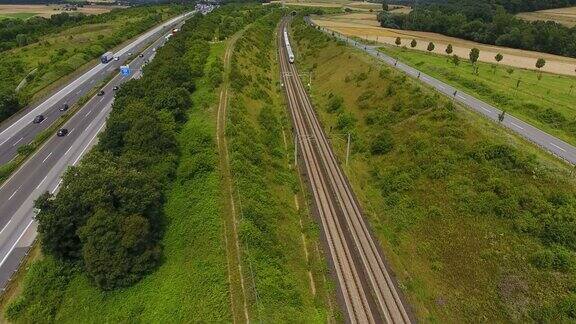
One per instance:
[(488, 23), (108, 217)]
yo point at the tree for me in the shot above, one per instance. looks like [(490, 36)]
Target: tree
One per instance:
[(499, 57), (385, 5), (382, 144), (430, 47), (540, 64), (455, 60), (449, 50), (398, 41), (474, 55), (413, 43)]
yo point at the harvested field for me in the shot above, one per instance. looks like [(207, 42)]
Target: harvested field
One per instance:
[(26, 11), (355, 5), (564, 16), (365, 26)]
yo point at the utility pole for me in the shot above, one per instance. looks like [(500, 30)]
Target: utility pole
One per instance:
[(295, 150), (348, 150)]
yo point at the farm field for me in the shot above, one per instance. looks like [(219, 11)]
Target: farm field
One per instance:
[(454, 199), (354, 5), (27, 11), (548, 103), (366, 26), (565, 16)]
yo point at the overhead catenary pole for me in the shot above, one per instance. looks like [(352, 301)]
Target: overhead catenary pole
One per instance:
[(348, 149)]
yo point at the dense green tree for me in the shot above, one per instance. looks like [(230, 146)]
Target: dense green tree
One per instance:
[(430, 47), (449, 49), (474, 55), (414, 43), (499, 57), (398, 41)]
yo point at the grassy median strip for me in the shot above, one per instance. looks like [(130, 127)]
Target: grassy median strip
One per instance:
[(477, 224)]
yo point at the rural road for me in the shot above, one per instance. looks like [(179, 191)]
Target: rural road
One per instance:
[(42, 172), (367, 291), (19, 130), (542, 139)]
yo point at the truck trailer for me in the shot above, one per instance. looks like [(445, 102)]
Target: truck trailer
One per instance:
[(107, 57)]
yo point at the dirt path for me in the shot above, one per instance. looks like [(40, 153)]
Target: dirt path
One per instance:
[(365, 26), (238, 299)]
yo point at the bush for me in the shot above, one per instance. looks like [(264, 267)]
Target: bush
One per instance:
[(335, 104), (382, 143)]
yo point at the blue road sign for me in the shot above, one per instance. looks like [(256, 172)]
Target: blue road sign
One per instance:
[(125, 70)]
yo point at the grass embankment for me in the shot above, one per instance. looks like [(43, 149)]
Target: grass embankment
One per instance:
[(277, 263), (548, 103), (17, 15), (477, 225)]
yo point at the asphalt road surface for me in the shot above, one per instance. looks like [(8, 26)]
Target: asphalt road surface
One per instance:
[(42, 172), (19, 129), (540, 138), (367, 291)]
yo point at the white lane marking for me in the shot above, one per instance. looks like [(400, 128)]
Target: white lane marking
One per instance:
[(4, 142), (486, 109), (41, 182), (57, 186), (14, 245), (514, 124), (90, 141), (88, 113), (441, 87), (14, 193), (46, 158), (78, 92), (558, 147), (461, 97), (91, 82), (18, 141), (70, 132), (9, 221), (68, 150)]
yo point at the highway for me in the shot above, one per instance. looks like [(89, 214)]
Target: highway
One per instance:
[(42, 172), (367, 291), (19, 130), (548, 142)]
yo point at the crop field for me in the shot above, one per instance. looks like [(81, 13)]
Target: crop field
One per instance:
[(548, 103), (365, 26), (354, 5), (27, 11), (565, 16), (444, 190)]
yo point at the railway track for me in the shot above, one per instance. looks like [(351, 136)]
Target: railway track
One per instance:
[(367, 291)]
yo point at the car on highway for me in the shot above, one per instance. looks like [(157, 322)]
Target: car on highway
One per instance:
[(115, 88), (64, 107), (38, 119), (116, 58), (100, 93), (141, 55), (62, 132)]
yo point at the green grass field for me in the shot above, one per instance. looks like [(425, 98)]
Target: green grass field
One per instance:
[(474, 221), (18, 15), (549, 103), (192, 281)]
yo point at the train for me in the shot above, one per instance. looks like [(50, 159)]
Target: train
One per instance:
[(288, 47)]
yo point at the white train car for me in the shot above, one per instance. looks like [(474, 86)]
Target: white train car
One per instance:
[(288, 47)]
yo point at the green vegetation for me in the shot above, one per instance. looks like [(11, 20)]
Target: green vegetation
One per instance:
[(477, 224), (59, 46), (489, 22), (547, 103), (18, 15), (141, 211), (274, 258)]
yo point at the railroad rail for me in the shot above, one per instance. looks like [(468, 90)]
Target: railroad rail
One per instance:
[(367, 291)]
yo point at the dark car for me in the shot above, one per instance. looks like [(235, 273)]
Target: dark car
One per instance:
[(62, 132), (115, 88), (38, 119), (64, 107), (101, 93), (141, 55)]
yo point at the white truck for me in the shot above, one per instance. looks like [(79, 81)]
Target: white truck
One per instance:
[(107, 57)]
